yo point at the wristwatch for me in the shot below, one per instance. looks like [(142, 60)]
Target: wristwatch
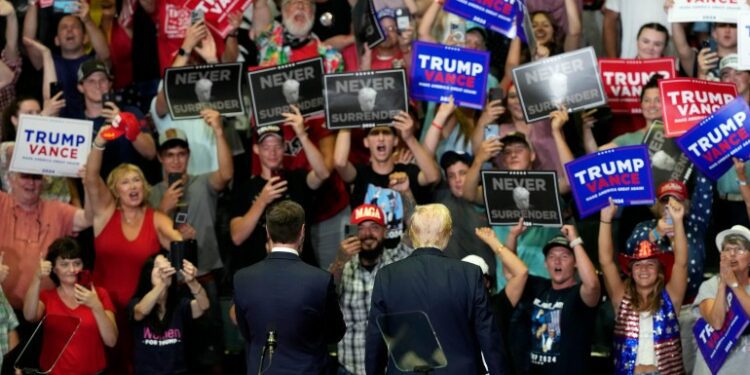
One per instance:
[(734, 285), (182, 52)]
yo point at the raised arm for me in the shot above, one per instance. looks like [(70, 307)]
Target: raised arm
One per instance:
[(472, 187), (102, 203), (33, 308), (241, 227), (611, 33), (558, 120), (96, 35), (590, 288), (739, 167), (678, 282), (105, 319), (164, 271), (429, 173), (194, 34), (574, 32), (221, 177), (11, 30), (516, 272), (341, 161), (319, 172), (440, 126), (612, 281), (29, 31), (424, 33), (200, 302)]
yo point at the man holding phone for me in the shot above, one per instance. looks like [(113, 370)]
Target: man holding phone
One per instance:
[(191, 200), (360, 257)]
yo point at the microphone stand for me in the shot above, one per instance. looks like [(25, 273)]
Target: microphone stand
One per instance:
[(269, 346)]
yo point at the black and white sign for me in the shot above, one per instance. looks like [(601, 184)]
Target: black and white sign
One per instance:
[(274, 89), (370, 31), (533, 195), (667, 160), (190, 89), (571, 79), (364, 99)]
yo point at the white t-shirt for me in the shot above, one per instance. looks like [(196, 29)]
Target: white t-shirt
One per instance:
[(633, 15)]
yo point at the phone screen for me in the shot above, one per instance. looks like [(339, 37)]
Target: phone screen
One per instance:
[(64, 6), (491, 131)]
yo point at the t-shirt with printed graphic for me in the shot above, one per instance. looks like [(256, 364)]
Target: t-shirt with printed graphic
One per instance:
[(561, 328), (162, 352), (372, 187)]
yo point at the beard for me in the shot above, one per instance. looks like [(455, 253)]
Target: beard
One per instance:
[(296, 29), (374, 253)]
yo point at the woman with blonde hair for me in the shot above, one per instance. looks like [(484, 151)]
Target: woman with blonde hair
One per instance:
[(647, 332), (126, 232)]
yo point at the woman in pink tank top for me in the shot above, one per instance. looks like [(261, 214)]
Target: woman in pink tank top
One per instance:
[(126, 233)]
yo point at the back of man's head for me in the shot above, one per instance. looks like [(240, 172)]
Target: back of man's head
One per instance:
[(284, 221), (430, 226)]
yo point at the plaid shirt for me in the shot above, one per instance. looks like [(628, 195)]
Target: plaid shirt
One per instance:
[(355, 291), (8, 322), (8, 93)]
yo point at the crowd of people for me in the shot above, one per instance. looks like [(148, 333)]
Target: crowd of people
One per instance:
[(182, 236)]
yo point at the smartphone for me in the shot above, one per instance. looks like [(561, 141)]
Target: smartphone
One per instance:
[(196, 16), (64, 7), (403, 19), (351, 230), (491, 131), (179, 250), (84, 278), (497, 93), (172, 178), (707, 44), (277, 173), (457, 32), (108, 97), (54, 89)]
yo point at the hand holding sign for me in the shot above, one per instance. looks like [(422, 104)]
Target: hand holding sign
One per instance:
[(739, 167), (4, 270), (212, 118), (607, 213), (405, 125), (295, 120), (559, 118)]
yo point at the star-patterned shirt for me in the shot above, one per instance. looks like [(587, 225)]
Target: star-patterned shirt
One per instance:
[(696, 226)]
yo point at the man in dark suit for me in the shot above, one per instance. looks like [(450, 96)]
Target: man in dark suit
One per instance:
[(448, 291), (283, 294)]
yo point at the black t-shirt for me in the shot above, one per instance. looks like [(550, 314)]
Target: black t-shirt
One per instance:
[(162, 353), (372, 187), (245, 192), (502, 310), (561, 328)]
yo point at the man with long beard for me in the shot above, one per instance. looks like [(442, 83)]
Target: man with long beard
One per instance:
[(360, 257), (292, 39)]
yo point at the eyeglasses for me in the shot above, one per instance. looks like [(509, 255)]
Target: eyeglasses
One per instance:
[(30, 233), (734, 251)]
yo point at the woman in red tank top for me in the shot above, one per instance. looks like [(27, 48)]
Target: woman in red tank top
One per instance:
[(126, 233)]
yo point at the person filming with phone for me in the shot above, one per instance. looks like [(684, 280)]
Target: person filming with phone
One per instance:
[(74, 295)]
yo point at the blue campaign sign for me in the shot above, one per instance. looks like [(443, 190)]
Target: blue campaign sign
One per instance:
[(497, 15), (623, 174), (439, 71), (714, 345), (713, 142)]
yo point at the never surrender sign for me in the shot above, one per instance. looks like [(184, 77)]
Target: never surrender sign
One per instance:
[(624, 79), (497, 15), (190, 89), (51, 145), (533, 195), (714, 141), (364, 99), (439, 71), (274, 89), (706, 10), (715, 346), (668, 162), (571, 79), (686, 101), (623, 174)]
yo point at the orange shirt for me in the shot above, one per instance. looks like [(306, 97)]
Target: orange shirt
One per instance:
[(24, 236)]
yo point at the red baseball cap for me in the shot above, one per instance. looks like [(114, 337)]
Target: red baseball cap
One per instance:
[(674, 188), (368, 212)]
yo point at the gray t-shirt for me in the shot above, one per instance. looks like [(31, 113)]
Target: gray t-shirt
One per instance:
[(739, 358), (201, 199)]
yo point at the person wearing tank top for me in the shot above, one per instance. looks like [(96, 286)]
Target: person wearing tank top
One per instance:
[(647, 332), (126, 234)]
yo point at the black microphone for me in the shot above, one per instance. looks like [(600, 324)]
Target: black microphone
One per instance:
[(271, 341)]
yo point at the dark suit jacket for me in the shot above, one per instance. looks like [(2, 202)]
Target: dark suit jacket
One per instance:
[(296, 300), (452, 295)]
